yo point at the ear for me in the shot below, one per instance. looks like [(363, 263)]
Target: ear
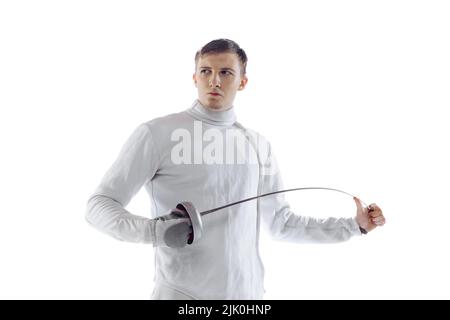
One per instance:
[(244, 81), (195, 79)]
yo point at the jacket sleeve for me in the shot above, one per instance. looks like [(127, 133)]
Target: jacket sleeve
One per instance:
[(283, 224), (136, 163)]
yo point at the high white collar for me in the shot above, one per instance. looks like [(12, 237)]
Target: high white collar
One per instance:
[(217, 118)]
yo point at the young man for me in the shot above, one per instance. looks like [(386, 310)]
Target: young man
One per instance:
[(170, 156)]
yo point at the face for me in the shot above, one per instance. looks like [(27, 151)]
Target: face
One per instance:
[(218, 78)]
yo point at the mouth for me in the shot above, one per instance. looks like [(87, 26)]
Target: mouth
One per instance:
[(215, 94)]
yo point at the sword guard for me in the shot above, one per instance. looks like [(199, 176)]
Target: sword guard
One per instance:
[(195, 218)]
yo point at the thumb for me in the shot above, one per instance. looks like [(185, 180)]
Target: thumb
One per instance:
[(358, 205)]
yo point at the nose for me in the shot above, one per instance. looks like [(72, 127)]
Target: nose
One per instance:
[(214, 81)]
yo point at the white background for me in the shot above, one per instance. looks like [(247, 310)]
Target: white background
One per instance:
[(351, 94)]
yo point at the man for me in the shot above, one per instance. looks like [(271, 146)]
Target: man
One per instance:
[(170, 157)]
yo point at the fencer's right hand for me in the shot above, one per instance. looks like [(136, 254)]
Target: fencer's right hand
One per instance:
[(172, 230)]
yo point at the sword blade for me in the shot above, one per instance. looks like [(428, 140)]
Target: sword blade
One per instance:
[(203, 213)]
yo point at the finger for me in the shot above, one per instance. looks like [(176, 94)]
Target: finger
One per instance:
[(373, 207), (376, 213), (378, 219), (379, 222)]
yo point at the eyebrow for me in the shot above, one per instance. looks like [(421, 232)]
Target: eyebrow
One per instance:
[(227, 69)]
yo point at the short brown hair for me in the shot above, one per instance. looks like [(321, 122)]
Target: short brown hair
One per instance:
[(222, 46)]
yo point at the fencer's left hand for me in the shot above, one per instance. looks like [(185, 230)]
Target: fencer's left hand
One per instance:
[(369, 217)]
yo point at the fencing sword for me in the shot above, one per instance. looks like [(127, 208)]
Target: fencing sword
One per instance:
[(196, 217)]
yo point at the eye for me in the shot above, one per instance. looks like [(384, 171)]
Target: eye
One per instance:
[(204, 71), (226, 73)]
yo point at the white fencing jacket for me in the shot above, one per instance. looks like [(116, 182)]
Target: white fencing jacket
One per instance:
[(225, 262)]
